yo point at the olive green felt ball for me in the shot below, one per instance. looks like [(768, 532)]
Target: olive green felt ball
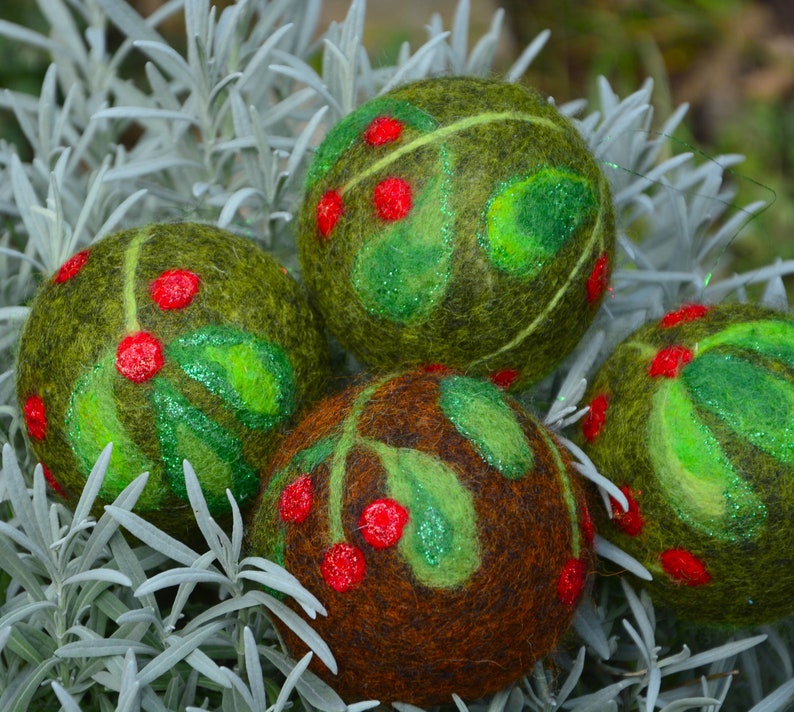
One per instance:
[(460, 221), (172, 342), (440, 525), (693, 417)]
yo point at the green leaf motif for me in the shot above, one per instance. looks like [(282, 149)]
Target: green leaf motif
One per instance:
[(402, 271), (770, 338), (254, 377), (350, 129), (440, 540), (754, 402), (530, 219), (480, 413), (185, 433), (92, 421), (698, 480)]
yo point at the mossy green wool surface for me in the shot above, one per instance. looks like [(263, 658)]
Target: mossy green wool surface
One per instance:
[(441, 526), (459, 221), (693, 417), (174, 342)]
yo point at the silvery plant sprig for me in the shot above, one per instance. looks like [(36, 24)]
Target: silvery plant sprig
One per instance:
[(109, 612)]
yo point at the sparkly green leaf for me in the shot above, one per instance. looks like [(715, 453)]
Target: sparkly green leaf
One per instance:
[(754, 402), (185, 433), (480, 413), (529, 220), (92, 422), (698, 479), (440, 541), (401, 272), (253, 376), (770, 338)]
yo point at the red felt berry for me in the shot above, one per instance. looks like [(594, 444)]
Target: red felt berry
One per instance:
[(343, 567), (596, 417), (382, 523), (329, 210), (35, 417), (588, 528), (505, 378), (669, 361), (598, 281), (688, 312), (629, 521), (382, 130), (685, 567), (139, 357), (392, 198), (52, 482), (295, 502), (174, 289), (571, 581), (71, 267)]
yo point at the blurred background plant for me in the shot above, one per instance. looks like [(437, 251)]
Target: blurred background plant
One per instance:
[(731, 60)]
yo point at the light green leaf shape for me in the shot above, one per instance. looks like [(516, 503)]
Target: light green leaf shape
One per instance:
[(698, 480), (771, 338), (480, 413), (530, 219), (403, 270), (440, 540), (185, 433), (253, 376), (753, 401), (92, 422)]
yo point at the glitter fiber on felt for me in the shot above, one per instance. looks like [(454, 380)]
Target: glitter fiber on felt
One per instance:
[(416, 506), (693, 417), (460, 221), (174, 342)]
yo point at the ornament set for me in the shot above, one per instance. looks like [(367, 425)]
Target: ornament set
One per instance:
[(457, 236)]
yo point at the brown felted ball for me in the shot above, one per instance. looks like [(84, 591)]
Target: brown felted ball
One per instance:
[(174, 342), (441, 526), (461, 221), (693, 417)]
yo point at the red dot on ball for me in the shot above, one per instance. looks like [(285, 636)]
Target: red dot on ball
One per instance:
[(392, 197), (571, 581), (688, 312), (139, 357), (630, 521), (329, 210), (504, 378), (296, 499), (382, 523), (174, 289), (595, 418), (598, 281), (588, 528), (35, 414), (343, 567), (52, 482), (383, 129), (669, 361), (71, 267), (684, 567), (436, 368)]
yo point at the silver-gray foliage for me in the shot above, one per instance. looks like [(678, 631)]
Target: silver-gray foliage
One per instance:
[(94, 619)]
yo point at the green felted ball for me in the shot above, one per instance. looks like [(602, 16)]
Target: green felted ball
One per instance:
[(440, 525), (693, 417), (460, 221), (173, 342)]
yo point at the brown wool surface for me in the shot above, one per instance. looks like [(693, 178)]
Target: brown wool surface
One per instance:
[(178, 341), (441, 526), (694, 417), (460, 221)]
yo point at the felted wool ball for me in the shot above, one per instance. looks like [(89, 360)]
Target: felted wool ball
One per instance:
[(693, 417), (461, 221), (173, 342), (439, 524)]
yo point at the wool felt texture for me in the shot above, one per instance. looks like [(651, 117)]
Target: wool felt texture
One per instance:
[(461, 221), (693, 416), (420, 507), (174, 342)]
